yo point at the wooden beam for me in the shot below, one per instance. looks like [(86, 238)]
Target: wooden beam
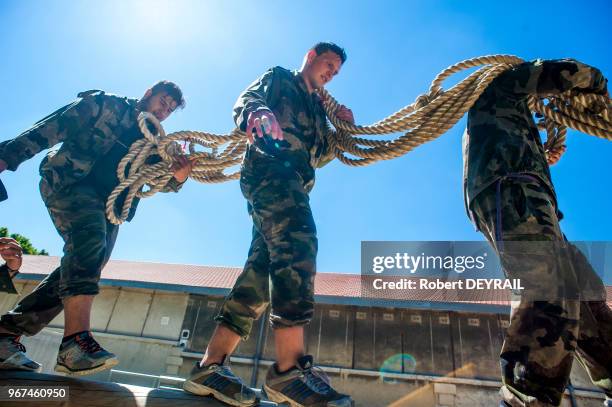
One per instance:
[(89, 393)]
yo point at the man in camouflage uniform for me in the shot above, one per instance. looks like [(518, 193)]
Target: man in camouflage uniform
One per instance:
[(278, 173), (511, 199), (96, 131)]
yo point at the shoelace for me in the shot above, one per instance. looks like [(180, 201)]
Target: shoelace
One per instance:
[(317, 380), (88, 344), (227, 372), (18, 344)]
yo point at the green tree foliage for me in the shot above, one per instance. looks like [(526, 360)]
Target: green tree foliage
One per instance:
[(24, 242)]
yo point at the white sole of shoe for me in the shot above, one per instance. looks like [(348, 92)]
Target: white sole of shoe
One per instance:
[(108, 363), (279, 397), (8, 366), (199, 390)]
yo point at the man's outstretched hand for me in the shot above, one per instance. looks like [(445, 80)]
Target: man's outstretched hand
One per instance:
[(346, 114), (182, 167), (553, 157), (264, 122), (11, 252)]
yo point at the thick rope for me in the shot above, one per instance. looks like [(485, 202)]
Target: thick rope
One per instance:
[(430, 116), (135, 174)]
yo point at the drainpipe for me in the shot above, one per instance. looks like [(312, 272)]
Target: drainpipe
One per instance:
[(572, 397), (258, 349)]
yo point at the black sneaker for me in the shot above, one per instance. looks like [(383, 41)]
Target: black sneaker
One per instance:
[(82, 355), (302, 386), (219, 381), (13, 355)]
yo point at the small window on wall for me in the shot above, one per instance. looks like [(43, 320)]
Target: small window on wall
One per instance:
[(361, 315), (211, 304), (334, 313), (416, 319), (473, 322), (388, 316), (444, 320), (505, 323)]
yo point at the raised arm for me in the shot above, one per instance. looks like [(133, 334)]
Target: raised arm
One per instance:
[(48, 132), (549, 77)]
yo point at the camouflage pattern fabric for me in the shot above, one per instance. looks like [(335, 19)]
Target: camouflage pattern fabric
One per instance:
[(6, 282), (503, 137), (96, 130), (562, 312), (88, 129), (79, 217), (276, 179), (548, 325), (300, 116)]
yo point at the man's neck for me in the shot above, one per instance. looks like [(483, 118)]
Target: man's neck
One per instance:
[(307, 82), (140, 106)]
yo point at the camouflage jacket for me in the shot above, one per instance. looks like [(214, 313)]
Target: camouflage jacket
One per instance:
[(502, 137), (299, 114), (88, 128)]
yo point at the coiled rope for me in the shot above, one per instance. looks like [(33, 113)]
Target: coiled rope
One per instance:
[(426, 119)]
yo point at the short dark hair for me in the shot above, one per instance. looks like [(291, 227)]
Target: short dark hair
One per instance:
[(172, 90), (322, 47)]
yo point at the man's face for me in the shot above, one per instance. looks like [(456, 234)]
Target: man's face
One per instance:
[(161, 105), (321, 69)]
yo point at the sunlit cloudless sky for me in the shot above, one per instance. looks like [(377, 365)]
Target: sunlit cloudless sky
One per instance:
[(50, 51)]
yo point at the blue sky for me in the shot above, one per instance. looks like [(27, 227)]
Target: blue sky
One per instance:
[(50, 51)]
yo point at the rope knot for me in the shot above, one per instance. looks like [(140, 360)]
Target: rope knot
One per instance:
[(426, 98), (174, 149)]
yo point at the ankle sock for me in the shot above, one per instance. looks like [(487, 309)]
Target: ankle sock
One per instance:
[(279, 372), (69, 337), (201, 366)]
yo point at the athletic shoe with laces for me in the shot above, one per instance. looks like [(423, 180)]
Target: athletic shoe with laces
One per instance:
[(13, 355), (82, 355), (303, 386), (219, 381)]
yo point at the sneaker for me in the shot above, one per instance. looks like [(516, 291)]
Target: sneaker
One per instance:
[(219, 381), (13, 356), (302, 386), (82, 355)]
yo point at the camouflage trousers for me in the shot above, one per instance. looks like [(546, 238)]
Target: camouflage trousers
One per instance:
[(562, 312), (281, 262), (79, 217)]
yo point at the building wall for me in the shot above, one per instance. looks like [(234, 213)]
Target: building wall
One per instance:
[(136, 312), (140, 326), (8, 301), (372, 339), (379, 350), (376, 339)]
